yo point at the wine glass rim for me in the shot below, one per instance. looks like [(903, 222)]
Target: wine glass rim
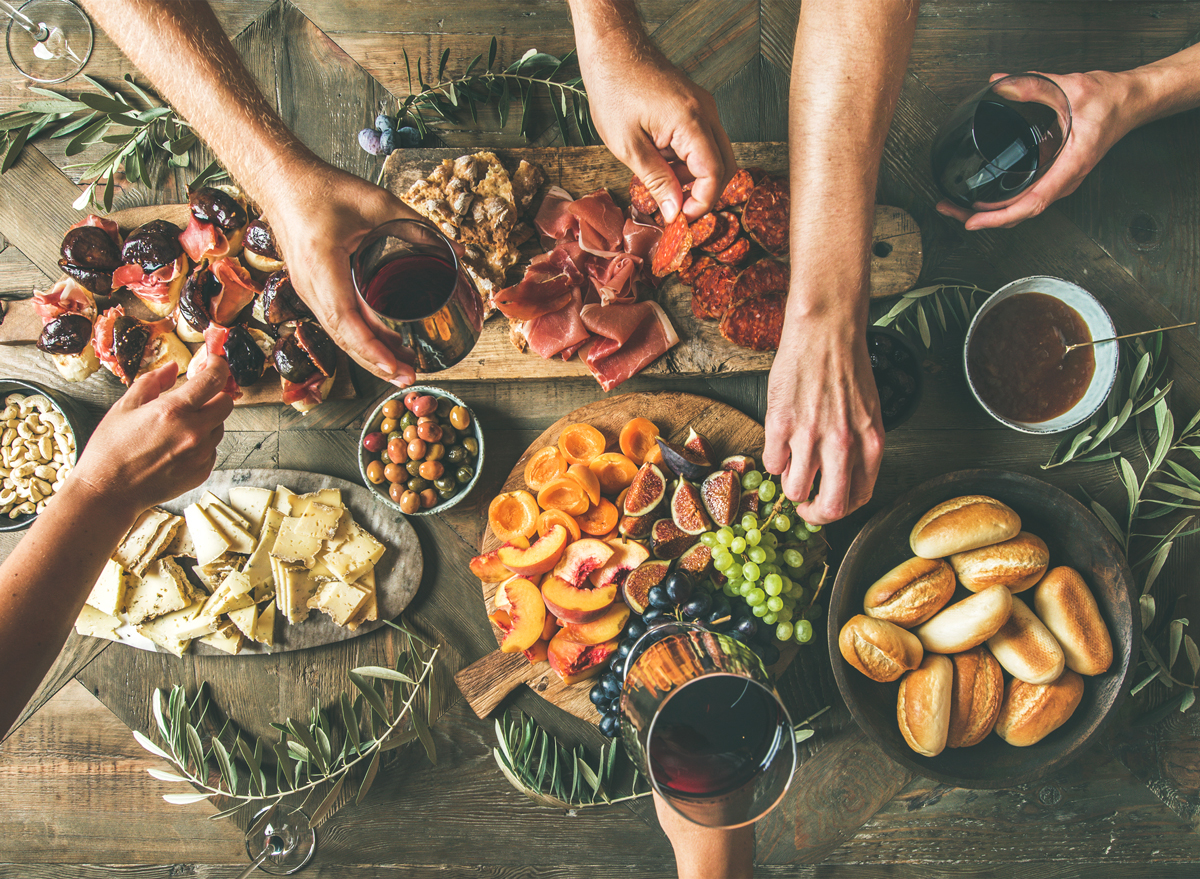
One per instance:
[(1068, 122), (380, 231), (87, 56)]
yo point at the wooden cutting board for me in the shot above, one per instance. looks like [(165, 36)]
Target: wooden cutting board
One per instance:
[(895, 265), (21, 328), (485, 683)]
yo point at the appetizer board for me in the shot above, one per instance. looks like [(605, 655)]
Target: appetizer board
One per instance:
[(397, 574), (895, 265), (21, 327), (486, 682)]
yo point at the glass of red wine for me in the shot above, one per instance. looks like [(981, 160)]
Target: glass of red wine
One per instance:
[(409, 277), (1000, 141), (703, 723)]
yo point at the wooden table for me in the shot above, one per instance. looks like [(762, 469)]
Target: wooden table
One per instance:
[(72, 789)]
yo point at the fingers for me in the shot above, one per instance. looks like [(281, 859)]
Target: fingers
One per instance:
[(832, 500), (653, 170), (339, 315), (148, 386), (709, 157), (203, 386)]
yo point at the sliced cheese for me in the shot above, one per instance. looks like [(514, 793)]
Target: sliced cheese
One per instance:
[(132, 553), (163, 590), (180, 625), (283, 500), (163, 538), (214, 572), (209, 541), (240, 540), (108, 595), (98, 625), (293, 545), (264, 629), (298, 589), (320, 521), (258, 566), (181, 545), (354, 556), (211, 502), (369, 609), (339, 600), (281, 583), (244, 618), (226, 639), (298, 503), (232, 594), (252, 503)]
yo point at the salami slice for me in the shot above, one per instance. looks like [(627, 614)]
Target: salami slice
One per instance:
[(641, 198), (673, 247), (736, 192), (756, 323), (713, 293), (764, 276), (700, 265), (704, 230), (765, 217), (726, 235), (735, 253)]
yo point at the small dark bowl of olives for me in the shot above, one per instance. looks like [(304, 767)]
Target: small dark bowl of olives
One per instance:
[(896, 366), (421, 451)]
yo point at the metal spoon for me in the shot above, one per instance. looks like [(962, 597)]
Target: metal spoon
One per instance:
[(1071, 348)]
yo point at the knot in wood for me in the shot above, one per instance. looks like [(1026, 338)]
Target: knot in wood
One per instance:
[(1050, 795)]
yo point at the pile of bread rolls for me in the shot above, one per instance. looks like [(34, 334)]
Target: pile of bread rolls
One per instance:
[(951, 657)]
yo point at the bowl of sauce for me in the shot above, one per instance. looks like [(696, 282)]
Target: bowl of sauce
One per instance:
[(1016, 361)]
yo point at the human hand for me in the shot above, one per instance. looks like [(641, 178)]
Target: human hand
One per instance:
[(156, 443), (1101, 115), (823, 418), (320, 215), (701, 852), (650, 114)]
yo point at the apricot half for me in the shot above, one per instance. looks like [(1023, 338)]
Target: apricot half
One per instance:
[(564, 494), (580, 443), (599, 519), (549, 518), (614, 470), (513, 513), (587, 478), (545, 466), (637, 438), (538, 558)]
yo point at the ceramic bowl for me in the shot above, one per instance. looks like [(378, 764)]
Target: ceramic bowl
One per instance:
[(380, 491), (1099, 325), (1076, 538)]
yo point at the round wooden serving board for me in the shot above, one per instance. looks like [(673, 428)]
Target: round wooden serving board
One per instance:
[(485, 683), (397, 575)]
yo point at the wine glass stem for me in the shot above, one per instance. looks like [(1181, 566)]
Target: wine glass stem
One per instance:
[(254, 865), (39, 32)]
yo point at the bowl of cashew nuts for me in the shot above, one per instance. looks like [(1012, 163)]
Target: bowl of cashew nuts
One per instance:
[(40, 440)]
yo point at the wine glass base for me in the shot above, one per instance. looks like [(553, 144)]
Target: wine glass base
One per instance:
[(66, 50), (288, 834)]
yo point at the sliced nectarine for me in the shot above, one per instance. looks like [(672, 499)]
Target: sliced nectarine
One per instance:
[(581, 558), (537, 653), (540, 557), (550, 518), (564, 494), (586, 478), (575, 662), (488, 567), (600, 519), (550, 627), (513, 513), (603, 628), (637, 438), (579, 443), (614, 470), (627, 555), (526, 612), (545, 466), (573, 604)]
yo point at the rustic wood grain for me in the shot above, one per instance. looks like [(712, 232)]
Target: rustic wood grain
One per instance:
[(73, 658)]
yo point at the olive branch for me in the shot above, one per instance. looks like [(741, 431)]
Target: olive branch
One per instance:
[(946, 304), (310, 757)]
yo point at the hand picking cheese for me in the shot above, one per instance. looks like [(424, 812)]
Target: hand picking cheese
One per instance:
[(261, 555)]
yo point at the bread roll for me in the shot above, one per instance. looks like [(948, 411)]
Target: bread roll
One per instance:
[(1025, 647), (77, 367), (1032, 711), (976, 698), (923, 705), (880, 650), (910, 593), (1017, 563), (967, 623), (167, 348), (961, 524), (1069, 610)]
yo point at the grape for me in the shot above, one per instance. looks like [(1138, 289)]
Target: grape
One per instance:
[(801, 532), (788, 584), (759, 610), (775, 604), (635, 629), (738, 545), (611, 685), (729, 589), (610, 725), (753, 536), (773, 583), (722, 560), (756, 597), (752, 480), (792, 558), (768, 569), (734, 572), (745, 625), (725, 536), (408, 137), (678, 587), (709, 539), (766, 492), (782, 522), (814, 611), (738, 530), (369, 139), (783, 631), (746, 588), (750, 521), (769, 540), (804, 631), (770, 617), (771, 555), (815, 580), (757, 554), (785, 615), (811, 527), (700, 605), (652, 616), (798, 594), (598, 695), (750, 571)]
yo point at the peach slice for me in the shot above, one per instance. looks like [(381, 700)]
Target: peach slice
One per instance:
[(488, 567), (626, 556), (605, 628), (587, 479), (537, 653), (540, 557), (522, 604), (575, 662), (552, 625), (574, 604), (581, 558)]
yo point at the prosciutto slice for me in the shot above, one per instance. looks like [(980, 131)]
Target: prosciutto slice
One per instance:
[(154, 288), (68, 296), (601, 223), (109, 226), (560, 332), (615, 280), (553, 219), (214, 346), (548, 286), (309, 391), (237, 290), (631, 337), (641, 235), (202, 239)]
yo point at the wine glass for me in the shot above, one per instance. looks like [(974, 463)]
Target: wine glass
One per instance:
[(408, 276), (1000, 141), (48, 40), (280, 841), (701, 720)]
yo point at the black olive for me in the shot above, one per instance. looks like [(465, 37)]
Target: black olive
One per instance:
[(130, 337), (95, 280), (291, 361), (152, 246), (879, 361), (68, 334), (210, 205), (905, 382), (317, 345), (90, 247), (261, 240), (195, 303), (279, 300), (246, 360)]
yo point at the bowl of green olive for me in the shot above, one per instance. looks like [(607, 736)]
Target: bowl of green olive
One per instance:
[(421, 451)]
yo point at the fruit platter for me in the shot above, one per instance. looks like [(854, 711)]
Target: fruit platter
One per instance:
[(628, 511)]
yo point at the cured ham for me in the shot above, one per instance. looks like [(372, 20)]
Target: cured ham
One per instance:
[(309, 392), (558, 331), (104, 223), (641, 235), (615, 280), (237, 290), (66, 297), (202, 240), (156, 288), (600, 223), (546, 288), (647, 333), (553, 219)]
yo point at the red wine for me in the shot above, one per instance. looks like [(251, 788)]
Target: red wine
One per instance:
[(987, 156), (714, 736), (410, 287)]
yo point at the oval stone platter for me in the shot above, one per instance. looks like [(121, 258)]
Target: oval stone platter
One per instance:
[(397, 575)]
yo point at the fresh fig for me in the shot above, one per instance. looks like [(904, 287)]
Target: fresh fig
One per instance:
[(739, 464), (749, 503), (698, 443), (669, 542), (636, 588), (687, 509), (696, 561), (721, 492), (645, 492), (635, 527), (683, 461)]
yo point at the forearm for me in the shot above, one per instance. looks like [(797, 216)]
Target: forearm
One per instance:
[(184, 52), (847, 71), (600, 22), (43, 585), (1163, 88)]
